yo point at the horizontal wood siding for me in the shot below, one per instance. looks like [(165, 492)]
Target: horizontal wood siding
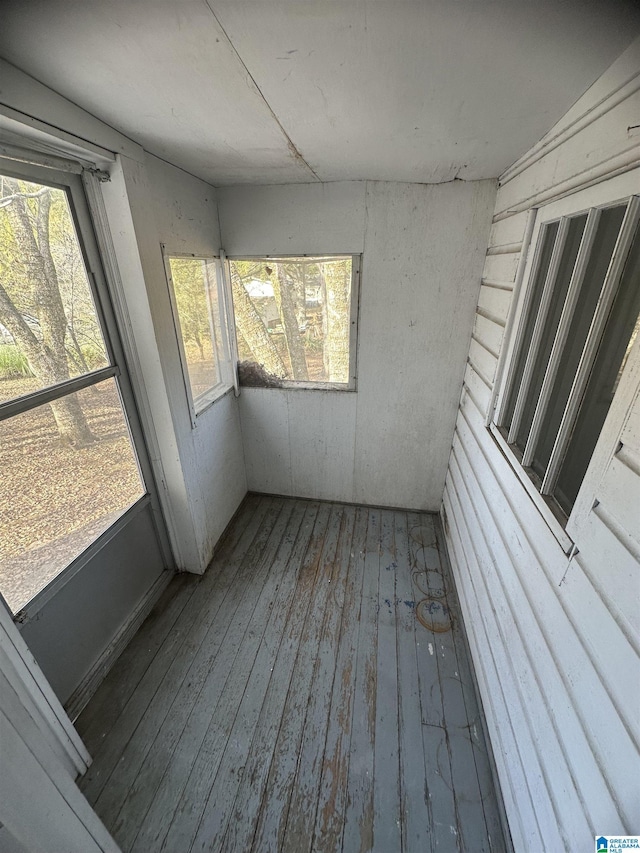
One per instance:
[(554, 639)]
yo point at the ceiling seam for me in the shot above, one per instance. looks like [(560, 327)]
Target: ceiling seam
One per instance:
[(290, 143)]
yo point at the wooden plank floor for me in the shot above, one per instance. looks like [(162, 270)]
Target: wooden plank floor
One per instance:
[(310, 693)]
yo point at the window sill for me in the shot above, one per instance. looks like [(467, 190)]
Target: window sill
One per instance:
[(206, 400), (291, 385), (549, 517)]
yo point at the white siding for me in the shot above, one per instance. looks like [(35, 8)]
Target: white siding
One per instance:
[(554, 640)]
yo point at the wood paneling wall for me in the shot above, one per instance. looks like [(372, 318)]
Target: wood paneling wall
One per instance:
[(423, 247)]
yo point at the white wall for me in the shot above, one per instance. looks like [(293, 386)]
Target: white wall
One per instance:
[(211, 454), (201, 469), (200, 472), (388, 442), (554, 641), (41, 752)]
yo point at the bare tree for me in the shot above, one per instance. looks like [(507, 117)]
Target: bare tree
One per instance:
[(253, 330), (46, 353), (284, 295), (336, 280), (189, 290)]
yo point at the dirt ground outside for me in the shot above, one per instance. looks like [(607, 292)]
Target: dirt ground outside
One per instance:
[(55, 499)]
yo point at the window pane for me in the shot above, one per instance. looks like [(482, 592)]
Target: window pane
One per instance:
[(565, 269), (293, 319), (196, 293), (619, 332), (549, 238), (49, 329), (55, 499), (602, 249)]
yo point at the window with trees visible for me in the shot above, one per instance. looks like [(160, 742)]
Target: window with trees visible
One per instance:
[(68, 468), (197, 292), (579, 320), (296, 320)]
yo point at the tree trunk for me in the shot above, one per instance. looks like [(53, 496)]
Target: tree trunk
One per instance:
[(338, 320), (287, 308), (47, 358), (297, 276), (253, 330)]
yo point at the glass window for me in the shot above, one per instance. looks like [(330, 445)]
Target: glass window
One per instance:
[(295, 320), (567, 372), (49, 327), (68, 468), (618, 337), (599, 259), (550, 325), (547, 241), (56, 499), (198, 307)]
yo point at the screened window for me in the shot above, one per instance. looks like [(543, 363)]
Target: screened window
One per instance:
[(295, 320), (579, 321), (68, 467), (198, 304)]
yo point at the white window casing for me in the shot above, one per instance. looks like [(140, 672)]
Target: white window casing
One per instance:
[(214, 279), (354, 302), (589, 203)]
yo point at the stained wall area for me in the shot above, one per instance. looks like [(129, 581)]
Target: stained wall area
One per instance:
[(554, 635), (387, 443)]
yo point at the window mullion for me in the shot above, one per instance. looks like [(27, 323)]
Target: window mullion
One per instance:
[(608, 293), (230, 318), (55, 392), (353, 317), (212, 322), (573, 293), (545, 302)]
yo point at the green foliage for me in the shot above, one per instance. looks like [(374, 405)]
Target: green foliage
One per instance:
[(13, 364), (84, 343), (190, 289)]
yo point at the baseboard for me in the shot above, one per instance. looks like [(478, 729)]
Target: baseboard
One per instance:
[(341, 503), (98, 672)]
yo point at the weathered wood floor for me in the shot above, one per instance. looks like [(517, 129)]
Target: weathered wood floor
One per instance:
[(296, 698)]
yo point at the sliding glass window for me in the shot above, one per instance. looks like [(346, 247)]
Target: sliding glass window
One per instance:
[(68, 467)]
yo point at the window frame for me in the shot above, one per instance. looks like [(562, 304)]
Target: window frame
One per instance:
[(73, 183), (611, 191), (354, 315), (198, 405)]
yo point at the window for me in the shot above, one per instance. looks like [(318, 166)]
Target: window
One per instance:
[(579, 320), (68, 467), (197, 298), (295, 320)]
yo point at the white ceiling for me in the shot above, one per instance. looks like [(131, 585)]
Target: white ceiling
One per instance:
[(305, 90)]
